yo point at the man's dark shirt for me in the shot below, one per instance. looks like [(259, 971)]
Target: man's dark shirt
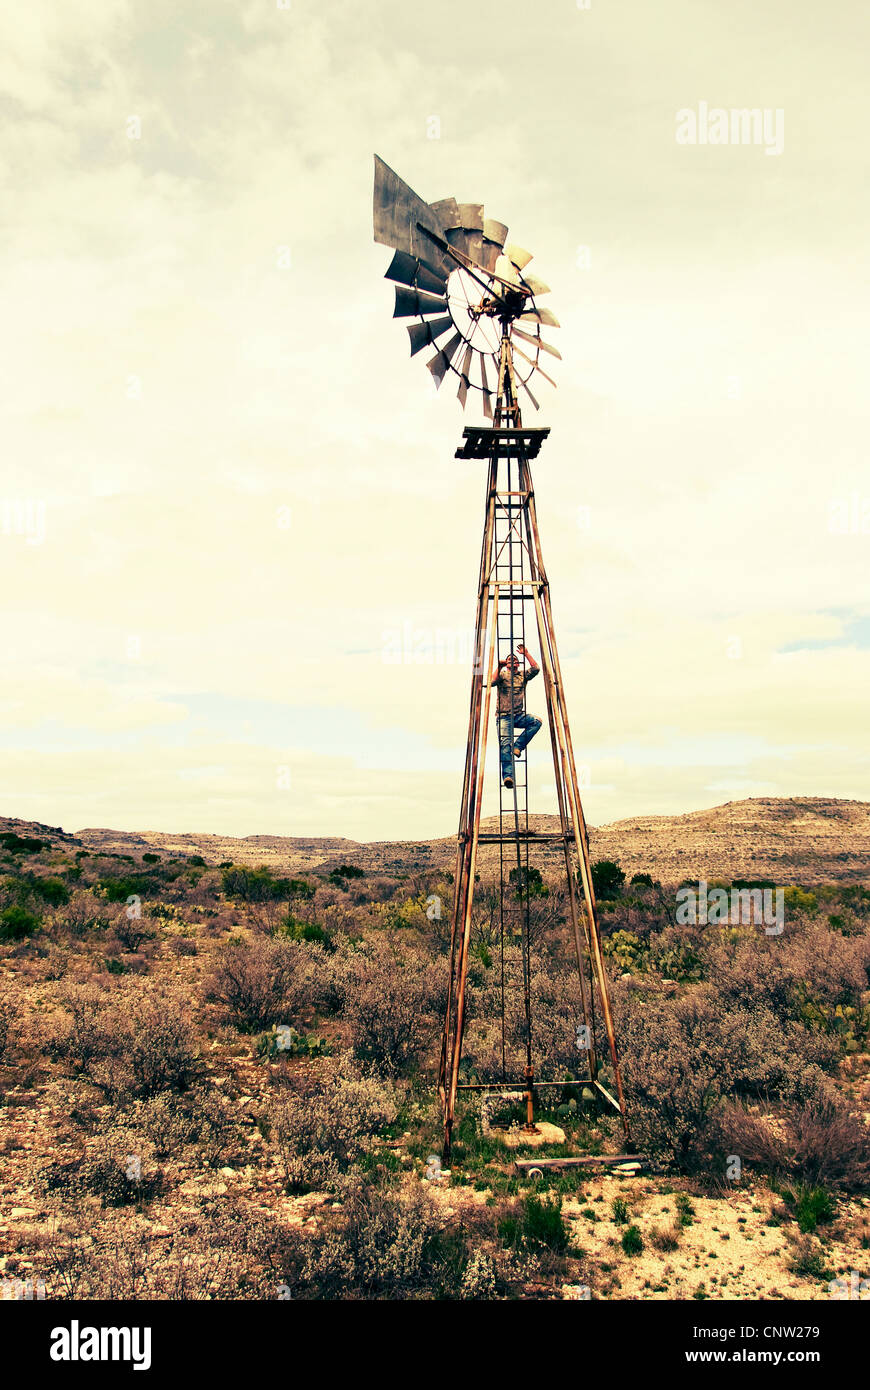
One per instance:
[(512, 688)]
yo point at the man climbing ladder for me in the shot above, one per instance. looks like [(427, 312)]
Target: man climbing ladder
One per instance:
[(511, 681)]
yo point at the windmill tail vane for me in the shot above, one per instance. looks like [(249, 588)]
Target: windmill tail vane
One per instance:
[(476, 304)]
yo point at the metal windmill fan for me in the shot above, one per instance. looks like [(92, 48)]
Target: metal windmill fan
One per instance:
[(457, 275)]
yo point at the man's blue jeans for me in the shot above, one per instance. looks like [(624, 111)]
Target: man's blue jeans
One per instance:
[(525, 726)]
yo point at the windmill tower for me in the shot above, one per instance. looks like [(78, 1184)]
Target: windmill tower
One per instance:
[(474, 302)]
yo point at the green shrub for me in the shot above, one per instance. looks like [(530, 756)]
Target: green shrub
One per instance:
[(16, 923), (21, 844), (52, 890), (607, 878), (537, 1224), (632, 1241), (619, 1211)]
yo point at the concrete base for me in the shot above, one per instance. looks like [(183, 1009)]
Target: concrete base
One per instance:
[(546, 1134)]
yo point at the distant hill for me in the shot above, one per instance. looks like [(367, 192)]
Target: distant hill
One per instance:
[(789, 839)]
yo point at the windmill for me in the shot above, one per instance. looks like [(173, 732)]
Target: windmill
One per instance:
[(475, 306)]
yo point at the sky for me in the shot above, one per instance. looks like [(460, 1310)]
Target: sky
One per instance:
[(229, 495)]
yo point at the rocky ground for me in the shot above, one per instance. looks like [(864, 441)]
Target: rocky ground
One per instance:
[(793, 840)]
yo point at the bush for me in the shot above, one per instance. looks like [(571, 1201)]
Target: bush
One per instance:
[(607, 878), (21, 844), (52, 890), (115, 1181), (390, 1004), (202, 1118), (632, 1241), (131, 1041), (543, 1224), (10, 1020), (816, 1142), (83, 913), (16, 923), (382, 1244), (266, 981), (322, 1133), (619, 1211)]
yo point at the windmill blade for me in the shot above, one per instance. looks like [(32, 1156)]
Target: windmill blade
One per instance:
[(536, 286), (494, 231), (396, 211), (423, 333), (407, 270), (532, 363), (490, 254), (440, 363), (539, 342), (487, 394), (518, 256), (540, 316), (506, 270), (447, 212), (417, 302), (531, 397), (471, 216), (464, 242), (464, 381)]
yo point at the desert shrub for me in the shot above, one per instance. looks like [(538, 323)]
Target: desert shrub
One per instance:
[(131, 931), (133, 1040), (118, 890), (225, 1251), (535, 1224), (543, 1224), (816, 1142), (83, 913), (200, 1117), (182, 946), (390, 1002), (52, 891), (684, 1055), (811, 1206), (808, 1259), (266, 981), (619, 1211), (479, 1277), (607, 878), (17, 923), (11, 1015), (675, 1069), (116, 1181), (685, 1209), (666, 1238), (322, 1132), (557, 1008), (21, 844), (632, 1241), (382, 1244)]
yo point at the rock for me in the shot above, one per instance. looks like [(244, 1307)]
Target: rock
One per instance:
[(21, 1213), (545, 1134)]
